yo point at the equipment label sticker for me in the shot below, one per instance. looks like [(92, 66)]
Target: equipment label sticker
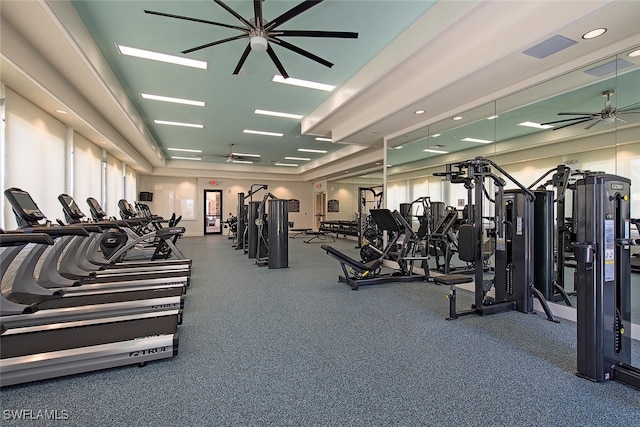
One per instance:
[(609, 250)]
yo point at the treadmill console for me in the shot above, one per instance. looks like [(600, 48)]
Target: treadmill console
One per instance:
[(71, 210), (96, 210), (25, 209)]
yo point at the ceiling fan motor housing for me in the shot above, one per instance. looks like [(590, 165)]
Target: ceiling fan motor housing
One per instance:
[(258, 40)]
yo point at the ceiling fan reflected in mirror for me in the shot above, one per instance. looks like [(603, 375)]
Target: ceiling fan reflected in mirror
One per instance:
[(607, 115), (262, 34), (232, 156)]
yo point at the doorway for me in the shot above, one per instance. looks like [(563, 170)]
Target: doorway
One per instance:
[(212, 211), (321, 209)]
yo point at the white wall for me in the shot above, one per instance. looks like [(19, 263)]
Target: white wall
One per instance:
[(185, 196), (35, 156), (35, 161)]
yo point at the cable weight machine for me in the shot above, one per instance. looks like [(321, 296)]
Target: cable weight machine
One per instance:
[(513, 280), (603, 279)]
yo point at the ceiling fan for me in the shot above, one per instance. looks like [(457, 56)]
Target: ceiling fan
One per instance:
[(262, 34), (232, 157), (607, 115)]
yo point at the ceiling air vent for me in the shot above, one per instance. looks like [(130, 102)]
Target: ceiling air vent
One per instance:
[(609, 67), (549, 47)]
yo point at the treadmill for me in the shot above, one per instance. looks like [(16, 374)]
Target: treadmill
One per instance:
[(41, 351), (27, 304), (99, 216), (93, 261), (54, 271)]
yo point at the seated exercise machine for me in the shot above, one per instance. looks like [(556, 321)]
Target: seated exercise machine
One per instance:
[(402, 249), (513, 277), (603, 281), (240, 242)]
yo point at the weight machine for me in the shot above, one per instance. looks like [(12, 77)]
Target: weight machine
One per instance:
[(513, 278), (271, 233), (602, 251), (368, 233), (550, 281), (241, 227)]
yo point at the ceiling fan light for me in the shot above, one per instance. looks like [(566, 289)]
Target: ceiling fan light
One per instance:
[(259, 44)]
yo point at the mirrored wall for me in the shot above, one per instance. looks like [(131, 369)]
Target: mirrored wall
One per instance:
[(586, 120)]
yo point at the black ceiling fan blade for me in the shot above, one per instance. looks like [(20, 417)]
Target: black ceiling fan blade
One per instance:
[(313, 33), (243, 58), (234, 13), (257, 12), (635, 106), (594, 123), (193, 49), (577, 114), (566, 120), (292, 13), (277, 62), (188, 18), (571, 124), (301, 51)]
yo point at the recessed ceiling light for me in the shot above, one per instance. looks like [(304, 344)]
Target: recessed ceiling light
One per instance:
[(431, 150), (185, 158), (594, 33), (324, 139), (435, 135), (534, 125), (285, 164), (61, 111), (246, 155), (481, 141), (248, 162), (303, 83), (492, 117), (457, 118), (634, 53), (297, 158), (278, 114), (309, 150), (186, 150), (259, 132), (399, 147), (162, 57), (418, 112), (188, 125), (174, 100)]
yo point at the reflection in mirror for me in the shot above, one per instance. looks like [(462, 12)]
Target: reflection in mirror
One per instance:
[(585, 120), (348, 203)]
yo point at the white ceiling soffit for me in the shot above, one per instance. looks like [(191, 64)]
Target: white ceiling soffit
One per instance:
[(443, 84), (58, 37)]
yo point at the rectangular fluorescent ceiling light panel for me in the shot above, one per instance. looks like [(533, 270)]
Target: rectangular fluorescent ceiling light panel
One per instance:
[(609, 67), (259, 132), (431, 150), (174, 100), (549, 47), (246, 155), (303, 83), (478, 140), (188, 125), (285, 164), (162, 57), (324, 139), (278, 114), (309, 150), (242, 161), (535, 125), (185, 150), (297, 158), (185, 158)]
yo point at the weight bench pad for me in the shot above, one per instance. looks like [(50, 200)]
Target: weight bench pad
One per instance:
[(452, 279)]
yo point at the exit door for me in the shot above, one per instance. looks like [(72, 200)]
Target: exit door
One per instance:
[(212, 211)]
